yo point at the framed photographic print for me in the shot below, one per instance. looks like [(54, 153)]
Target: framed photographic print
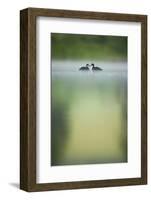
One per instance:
[(83, 99)]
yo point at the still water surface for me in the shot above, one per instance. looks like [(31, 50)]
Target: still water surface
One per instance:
[(89, 114)]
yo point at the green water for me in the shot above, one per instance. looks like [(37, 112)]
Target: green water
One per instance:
[(88, 116)]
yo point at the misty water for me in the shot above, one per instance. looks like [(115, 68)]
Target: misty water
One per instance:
[(88, 113)]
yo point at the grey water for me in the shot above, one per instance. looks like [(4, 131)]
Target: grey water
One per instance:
[(88, 113)]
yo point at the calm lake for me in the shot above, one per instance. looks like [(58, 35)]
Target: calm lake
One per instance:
[(88, 113)]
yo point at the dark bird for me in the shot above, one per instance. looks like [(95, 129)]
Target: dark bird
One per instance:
[(95, 68), (86, 68)]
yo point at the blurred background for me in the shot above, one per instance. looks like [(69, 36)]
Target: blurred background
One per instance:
[(75, 46)]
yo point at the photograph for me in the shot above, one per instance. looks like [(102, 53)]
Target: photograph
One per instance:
[(88, 99), (83, 99)]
